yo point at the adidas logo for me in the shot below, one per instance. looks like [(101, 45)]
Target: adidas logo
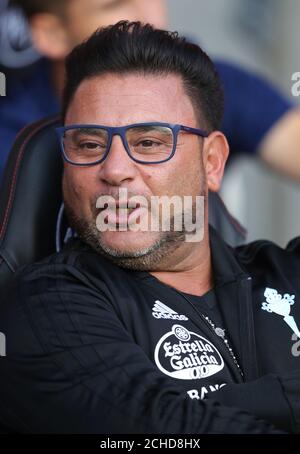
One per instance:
[(160, 310)]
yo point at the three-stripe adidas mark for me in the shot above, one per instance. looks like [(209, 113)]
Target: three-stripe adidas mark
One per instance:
[(160, 310)]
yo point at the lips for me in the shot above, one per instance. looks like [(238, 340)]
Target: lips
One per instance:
[(120, 213), (125, 206)]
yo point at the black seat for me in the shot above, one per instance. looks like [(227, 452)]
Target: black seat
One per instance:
[(31, 199)]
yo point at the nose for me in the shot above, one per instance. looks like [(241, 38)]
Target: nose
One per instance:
[(118, 167)]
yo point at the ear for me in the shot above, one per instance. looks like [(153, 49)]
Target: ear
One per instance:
[(215, 154), (50, 36)]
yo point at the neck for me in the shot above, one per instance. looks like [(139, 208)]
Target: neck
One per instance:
[(190, 269), (58, 77)]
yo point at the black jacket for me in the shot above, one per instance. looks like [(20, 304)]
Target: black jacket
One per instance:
[(94, 348)]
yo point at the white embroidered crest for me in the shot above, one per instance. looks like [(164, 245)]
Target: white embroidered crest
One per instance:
[(280, 305)]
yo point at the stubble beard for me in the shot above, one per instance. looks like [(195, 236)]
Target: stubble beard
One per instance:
[(144, 259)]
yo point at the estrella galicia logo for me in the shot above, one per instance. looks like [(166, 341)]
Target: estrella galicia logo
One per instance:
[(186, 355)]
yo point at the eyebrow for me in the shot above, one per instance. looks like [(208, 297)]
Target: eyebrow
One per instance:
[(150, 128), (94, 131)]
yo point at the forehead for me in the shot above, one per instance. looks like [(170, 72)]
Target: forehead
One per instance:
[(113, 100)]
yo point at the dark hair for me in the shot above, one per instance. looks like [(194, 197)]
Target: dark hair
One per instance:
[(128, 47), (32, 7)]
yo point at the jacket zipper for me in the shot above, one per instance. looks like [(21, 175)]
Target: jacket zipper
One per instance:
[(247, 332)]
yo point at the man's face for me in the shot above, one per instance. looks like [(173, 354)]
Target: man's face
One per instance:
[(85, 16), (119, 100)]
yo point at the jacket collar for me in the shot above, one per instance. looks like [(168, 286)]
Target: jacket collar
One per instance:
[(234, 293), (226, 267)]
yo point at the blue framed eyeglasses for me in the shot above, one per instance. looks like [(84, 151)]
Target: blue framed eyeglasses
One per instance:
[(145, 143)]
